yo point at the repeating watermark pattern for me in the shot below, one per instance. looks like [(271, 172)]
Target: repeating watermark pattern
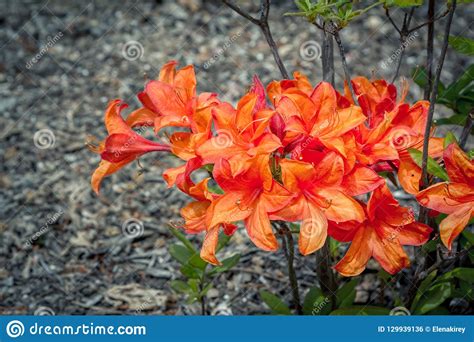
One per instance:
[(227, 44), (132, 139), (44, 229), (15, 329), (133, 228), (44, 139), (400, 311), (310, 50), (311, 227), (400, 138), (132, 50), (44, 311), (319, 305), (223, 139), (397, 53), (44, 50)]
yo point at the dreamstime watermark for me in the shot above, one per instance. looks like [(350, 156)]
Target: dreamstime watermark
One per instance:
[(227, 44), (44, 139), (44, 311), (132, 139), (400, 311), (133, 228), (310, 50), (223, 139), (44, 229), (15, 329), (132, 50), (397, 53), (400, 138), (318, 306), (44, 50), (298, 151)]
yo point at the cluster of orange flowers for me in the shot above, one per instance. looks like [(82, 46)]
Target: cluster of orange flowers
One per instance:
[(297, 153)]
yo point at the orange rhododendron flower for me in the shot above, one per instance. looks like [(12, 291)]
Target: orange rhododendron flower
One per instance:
[(387, 228), (122, 146), (318, 200), (455, 198), (250, 196), (300, 157)]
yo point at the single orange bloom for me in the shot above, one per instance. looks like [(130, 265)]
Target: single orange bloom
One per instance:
[(388, 227), (250, 196), (122, 146), (455, 198), (242, 133), (318, 199)]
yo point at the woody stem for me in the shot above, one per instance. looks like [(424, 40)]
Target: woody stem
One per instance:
[(289, 249), (433, 95), (325, 274)]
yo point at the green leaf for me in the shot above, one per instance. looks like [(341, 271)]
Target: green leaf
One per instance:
[(427, 282), (462, 273), (470, 154), (346, 294), (420, 77), (404, 3), (181, 237), (180, 253), (316, 303), (449, 139), (196, 261), (194, 285), (190, 272), (459, 87), (462, 45), (456, 119), (361, 311), (433, 298), (274, 303), (223, 241), (227, 264), (433, 167), (180, 286)]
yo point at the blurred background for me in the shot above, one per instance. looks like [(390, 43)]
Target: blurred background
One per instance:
[(64, 250)]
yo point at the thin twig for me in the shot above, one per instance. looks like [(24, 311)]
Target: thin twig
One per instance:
[(289, 249), (466, 131), (327, 57), (429, 50), (387, 13), (404, 33), (347, 74), (262, 22), (434, 94), (429, 21)]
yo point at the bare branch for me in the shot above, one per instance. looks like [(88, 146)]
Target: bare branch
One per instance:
[(262, 22), (434, 94), (429, 50), (347, 74)]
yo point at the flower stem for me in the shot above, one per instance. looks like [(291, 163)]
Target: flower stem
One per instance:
[(289, 249)]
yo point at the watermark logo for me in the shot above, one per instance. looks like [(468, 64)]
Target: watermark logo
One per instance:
[(310, 50), (44, 311), (132, 50), (44, 50), (400, 311), (133, 228), (15, 329), (44, 139), (223, 139)]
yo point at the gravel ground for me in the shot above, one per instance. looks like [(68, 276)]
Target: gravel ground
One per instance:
[(62, 248)]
